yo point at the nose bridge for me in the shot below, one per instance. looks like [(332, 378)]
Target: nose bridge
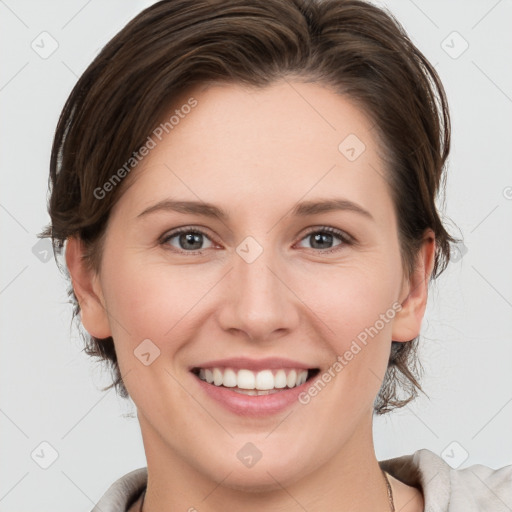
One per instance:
[(258, 300), (256, 281)]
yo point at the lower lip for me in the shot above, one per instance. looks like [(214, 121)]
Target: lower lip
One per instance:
[(253, 405)]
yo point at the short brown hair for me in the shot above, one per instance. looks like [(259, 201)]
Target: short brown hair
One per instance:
[(356, 48)]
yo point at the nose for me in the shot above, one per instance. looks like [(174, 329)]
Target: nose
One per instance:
[(259, 301)]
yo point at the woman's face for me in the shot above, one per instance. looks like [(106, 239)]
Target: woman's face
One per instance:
[(277, 285)]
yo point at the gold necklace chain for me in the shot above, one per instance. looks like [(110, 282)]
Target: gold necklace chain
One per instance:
[(390, 495)]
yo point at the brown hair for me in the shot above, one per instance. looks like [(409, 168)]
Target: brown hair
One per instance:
[(356, 48)]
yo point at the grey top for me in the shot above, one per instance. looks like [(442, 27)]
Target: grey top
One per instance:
[(476, 488)]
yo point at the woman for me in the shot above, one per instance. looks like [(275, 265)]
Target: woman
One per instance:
[(245, 195)]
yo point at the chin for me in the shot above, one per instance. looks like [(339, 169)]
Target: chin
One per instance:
[(261, 482), (263, 477)]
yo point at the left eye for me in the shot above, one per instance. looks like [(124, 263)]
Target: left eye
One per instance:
[(326, 236)]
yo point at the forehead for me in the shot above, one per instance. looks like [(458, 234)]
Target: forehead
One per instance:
[(263, 146)]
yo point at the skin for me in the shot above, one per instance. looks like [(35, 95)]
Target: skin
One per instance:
[(256, 153)]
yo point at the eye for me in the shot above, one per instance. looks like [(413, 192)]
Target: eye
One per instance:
[(187, 239), (322, 238)]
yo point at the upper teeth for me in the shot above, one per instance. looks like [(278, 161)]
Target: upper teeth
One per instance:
[(247, 379)]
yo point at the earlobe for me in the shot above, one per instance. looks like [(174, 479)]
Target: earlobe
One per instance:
[(407, 322), (87, 290)]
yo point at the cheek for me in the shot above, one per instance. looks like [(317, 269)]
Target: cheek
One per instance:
[(356, 313), (351, 301), (153, 300)]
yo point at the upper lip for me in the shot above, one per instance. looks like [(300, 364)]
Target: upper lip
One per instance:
[(246, 363)]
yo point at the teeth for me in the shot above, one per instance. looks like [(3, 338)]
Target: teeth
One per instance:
[(264, 380), (291, 380), (217, 377), (255, 392), (280, 379), (209, 376), (229, 379), (248, 382), (245, 379), (301, 378)]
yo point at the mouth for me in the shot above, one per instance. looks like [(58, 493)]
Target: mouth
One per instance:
[(244, 381), (251, 387)]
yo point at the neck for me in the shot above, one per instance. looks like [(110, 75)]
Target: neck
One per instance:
[(350, 480)]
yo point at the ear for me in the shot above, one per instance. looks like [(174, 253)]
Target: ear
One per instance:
[(407, 322), (87, 290)]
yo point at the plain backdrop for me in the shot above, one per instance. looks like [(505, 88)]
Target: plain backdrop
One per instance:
[(52, 411)]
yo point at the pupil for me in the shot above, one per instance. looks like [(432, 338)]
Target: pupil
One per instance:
[(191, 238), (322, 238)]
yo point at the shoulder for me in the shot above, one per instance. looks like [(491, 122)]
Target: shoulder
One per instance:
[(474, 488), (123, 492)]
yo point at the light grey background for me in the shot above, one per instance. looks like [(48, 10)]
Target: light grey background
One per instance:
[(51, 390)]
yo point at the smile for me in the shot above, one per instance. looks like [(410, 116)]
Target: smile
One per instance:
[(263, 382), (256, 388)]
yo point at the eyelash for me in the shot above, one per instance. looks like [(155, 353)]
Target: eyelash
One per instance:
[(344, 237)]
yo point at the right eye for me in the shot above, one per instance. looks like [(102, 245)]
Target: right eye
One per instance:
[(186, 240)]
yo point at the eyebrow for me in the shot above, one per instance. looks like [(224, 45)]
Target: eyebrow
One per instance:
[(302, 209)]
